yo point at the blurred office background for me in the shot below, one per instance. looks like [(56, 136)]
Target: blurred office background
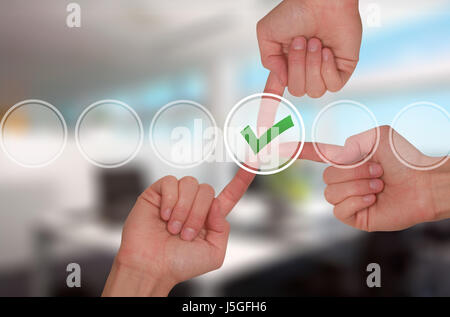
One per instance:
[(147, 53)]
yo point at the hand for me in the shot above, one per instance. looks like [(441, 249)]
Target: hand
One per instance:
[(383, 194), (311, 45), (177, 230)]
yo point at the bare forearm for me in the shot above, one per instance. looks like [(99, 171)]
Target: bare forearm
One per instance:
[(124, 281)]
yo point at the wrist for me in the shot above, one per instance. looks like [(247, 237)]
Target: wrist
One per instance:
[(127, 281), (441, 191)]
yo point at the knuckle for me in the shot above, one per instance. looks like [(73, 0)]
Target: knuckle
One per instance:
[(207, 189), (361, 172), (334, 88), (296, 91), (327, 175), (169, 179), (189, 180), (151, 197), (353, 188), (327, 194), (226, 226), (179, 213), (170, 198), (230, 195), (316, 94), (259, 28), (194, 222), (351, 141), (384, 128), (336, 212)]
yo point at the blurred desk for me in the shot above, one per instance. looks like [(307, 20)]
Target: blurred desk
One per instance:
[(246, 253), (69, 236)]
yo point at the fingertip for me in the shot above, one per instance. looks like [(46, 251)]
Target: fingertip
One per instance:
[(165, 213), (316, 94), (174, 227), (188, 234), (369, 198), (327, 55), (376, 185), (314, 45), (279, 69), (298, 44), (375, 170), (296, 92)]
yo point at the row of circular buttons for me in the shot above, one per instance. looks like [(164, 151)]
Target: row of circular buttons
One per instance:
[(89, 116)]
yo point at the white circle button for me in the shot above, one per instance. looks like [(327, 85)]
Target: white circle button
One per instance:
[(183, 134), (109, 133), (264, 134), (33, 133)]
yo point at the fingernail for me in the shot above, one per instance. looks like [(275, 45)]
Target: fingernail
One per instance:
[(175, 227), (298, 44), (188, 234), (375, 169), (313, 45), (325, 55), (374, 184), (166, 214), (368, 198)]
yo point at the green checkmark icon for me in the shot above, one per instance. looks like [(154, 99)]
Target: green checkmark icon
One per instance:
[(258, 144)]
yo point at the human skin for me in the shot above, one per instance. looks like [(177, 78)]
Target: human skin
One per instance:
[(151, 259), (311, 46), (383, 194), (400, 197)]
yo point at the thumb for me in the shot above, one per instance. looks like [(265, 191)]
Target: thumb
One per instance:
[(308, 151), (336, 154), (355, 149)]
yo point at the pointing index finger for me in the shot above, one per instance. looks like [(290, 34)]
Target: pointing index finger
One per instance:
[(267, 110), (234, 191)]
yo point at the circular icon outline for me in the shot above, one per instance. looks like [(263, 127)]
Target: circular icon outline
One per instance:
[(377, 129), (284, 165), (391, 136), (58, 115), (158, 114), (133, 113)]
